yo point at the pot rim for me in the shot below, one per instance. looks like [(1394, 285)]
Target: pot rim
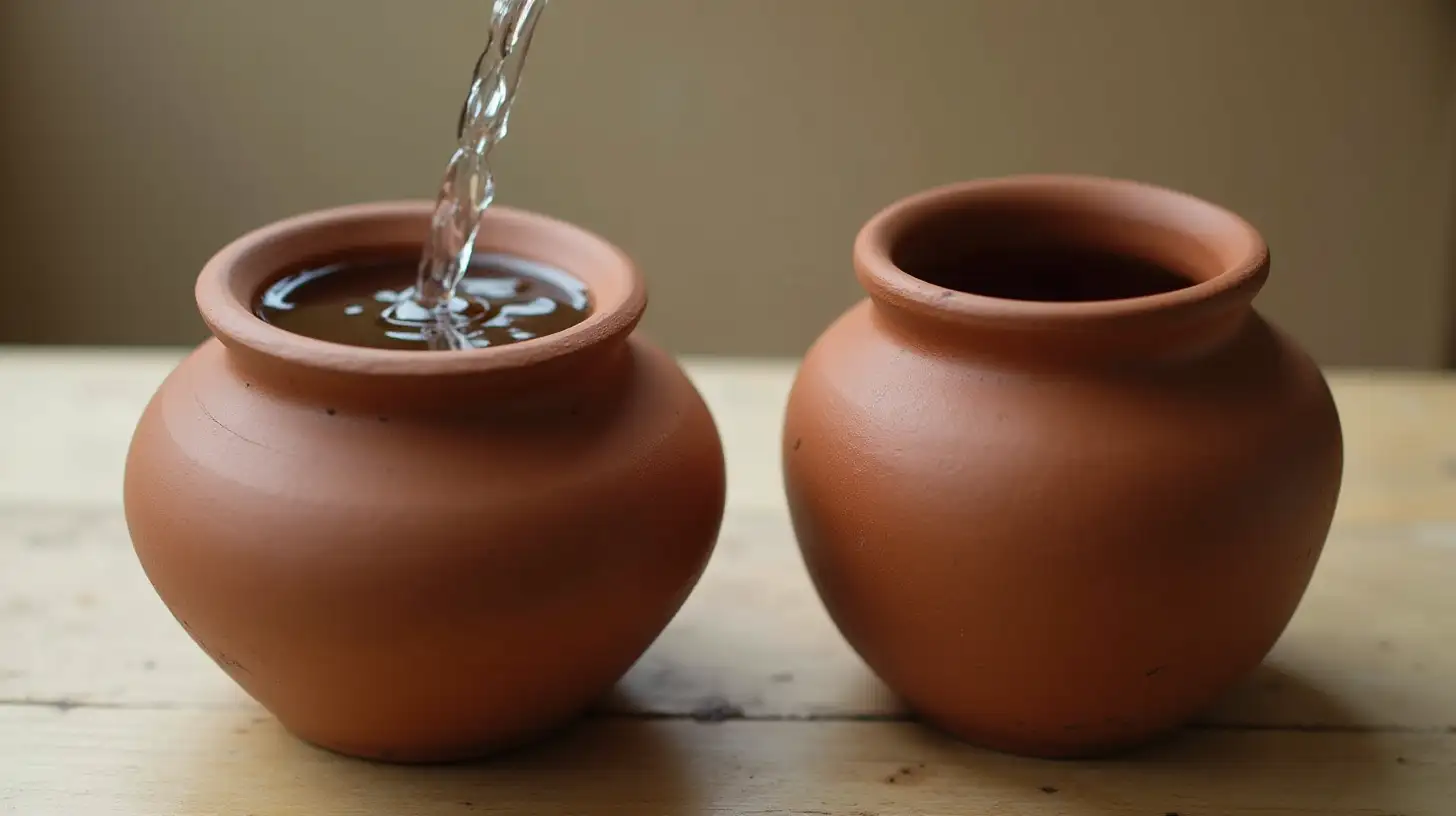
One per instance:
[(1236, 267), (232, 278)]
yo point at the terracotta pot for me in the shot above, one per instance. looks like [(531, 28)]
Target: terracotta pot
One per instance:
[(1059, 528), (419, 556)]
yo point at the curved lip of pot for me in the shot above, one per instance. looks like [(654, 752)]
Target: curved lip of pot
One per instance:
[(230, 282), (1225, 255)]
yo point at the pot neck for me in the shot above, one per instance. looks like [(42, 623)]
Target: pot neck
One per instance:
[(557, 368), (1221, 260), (561, 381)]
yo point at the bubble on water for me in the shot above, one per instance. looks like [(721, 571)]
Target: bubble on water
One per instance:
[(408, 310), (534, 308), (498, 288)]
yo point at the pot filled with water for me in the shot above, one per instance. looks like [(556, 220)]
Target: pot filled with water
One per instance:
[(418, 539), (1055, 479)]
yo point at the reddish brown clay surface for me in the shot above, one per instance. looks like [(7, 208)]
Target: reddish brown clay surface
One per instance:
[(419, 556), (1060, 528)]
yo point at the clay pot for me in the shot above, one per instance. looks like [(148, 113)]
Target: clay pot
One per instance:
[(419, 556), (1059, 528)]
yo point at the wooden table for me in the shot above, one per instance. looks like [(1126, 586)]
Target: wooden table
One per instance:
[(750, 703)]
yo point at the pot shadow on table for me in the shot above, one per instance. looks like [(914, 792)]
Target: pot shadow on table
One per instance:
[(595, 765), (1276, 742)]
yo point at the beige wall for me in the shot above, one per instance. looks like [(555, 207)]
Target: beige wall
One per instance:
[(733, 146)]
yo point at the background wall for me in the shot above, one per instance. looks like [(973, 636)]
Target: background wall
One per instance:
[(733, 146)]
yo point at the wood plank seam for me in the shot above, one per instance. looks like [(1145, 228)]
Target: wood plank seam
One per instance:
[(709, 718)]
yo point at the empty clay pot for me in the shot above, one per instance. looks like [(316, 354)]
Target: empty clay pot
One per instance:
[(418, 556), (1055, 480)]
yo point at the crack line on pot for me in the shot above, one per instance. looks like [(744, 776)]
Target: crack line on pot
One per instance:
[(218, 423)]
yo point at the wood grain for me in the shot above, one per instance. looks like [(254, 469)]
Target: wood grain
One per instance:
[(99, 761), (749, 702)]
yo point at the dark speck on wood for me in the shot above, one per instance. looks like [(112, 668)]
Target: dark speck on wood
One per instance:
[(905, 771), (714, 711), (1048, 789), (331, 411)]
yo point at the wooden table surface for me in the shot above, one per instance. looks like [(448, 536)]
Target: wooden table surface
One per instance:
[(749, 703)]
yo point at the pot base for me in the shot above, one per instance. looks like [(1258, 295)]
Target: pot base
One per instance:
[(454, 753), (1088, 744)]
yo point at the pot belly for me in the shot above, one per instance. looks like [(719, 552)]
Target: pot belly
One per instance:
[(416, 589), (1059, 563)]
